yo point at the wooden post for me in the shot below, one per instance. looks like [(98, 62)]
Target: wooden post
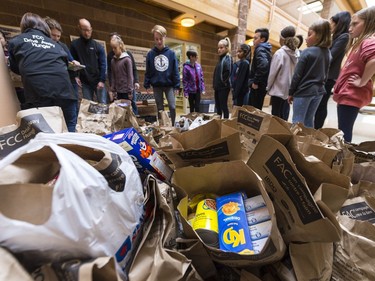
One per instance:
[(9, 105)]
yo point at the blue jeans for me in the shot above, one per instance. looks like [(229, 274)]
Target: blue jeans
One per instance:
[(88, 92), (346, 116), (159, 99), (304, 109)]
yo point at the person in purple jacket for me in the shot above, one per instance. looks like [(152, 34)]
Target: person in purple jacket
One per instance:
[(193, 81)]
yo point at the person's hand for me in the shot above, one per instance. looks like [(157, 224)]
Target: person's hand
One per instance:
[(100, 85), (148, 90), (75, 62), (290, 99), (254, 86), (355, 80), (111, 96), (79, 83), (136, 86), (203, 93), (176, 91)]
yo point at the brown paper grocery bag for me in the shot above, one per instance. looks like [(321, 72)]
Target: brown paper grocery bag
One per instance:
[(299, 216), (211, 142), (9, 105), (253, 123), (28, 123), (124, 116), (312, 261), (224, 178), (354, 256), (152, 261)]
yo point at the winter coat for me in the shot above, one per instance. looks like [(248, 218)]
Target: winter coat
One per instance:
[(190, 74), (91, 54), (260, 66), (239, 78), (122, 74), (222, 72)]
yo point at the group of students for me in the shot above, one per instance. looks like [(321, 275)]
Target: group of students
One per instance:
[(304, 79)]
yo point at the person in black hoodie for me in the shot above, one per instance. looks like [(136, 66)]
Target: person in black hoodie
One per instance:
[(221, 79), (260, 67), (43, 66), (340, 38), (91, 54), (162, 72)]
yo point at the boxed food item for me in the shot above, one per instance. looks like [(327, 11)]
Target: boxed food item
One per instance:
[(233, 231), (145, 158)]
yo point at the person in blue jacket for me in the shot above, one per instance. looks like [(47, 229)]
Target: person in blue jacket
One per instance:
[(240, 76), (260, 67), (193, 81), (43, 66), (162, 72)]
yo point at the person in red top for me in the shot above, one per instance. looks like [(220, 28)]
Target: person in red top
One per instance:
[(354, 87)]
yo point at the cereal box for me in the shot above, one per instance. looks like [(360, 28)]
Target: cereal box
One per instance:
[(234, 235), (145, 158)]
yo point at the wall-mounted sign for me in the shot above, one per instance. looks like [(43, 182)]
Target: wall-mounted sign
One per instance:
[(139, 54)]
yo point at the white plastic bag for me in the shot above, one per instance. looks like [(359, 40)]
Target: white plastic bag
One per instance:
[(82, 216)]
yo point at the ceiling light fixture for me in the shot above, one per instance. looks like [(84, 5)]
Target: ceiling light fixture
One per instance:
[(187, 22)]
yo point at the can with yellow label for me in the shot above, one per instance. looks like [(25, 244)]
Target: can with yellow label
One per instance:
[(205, 222)]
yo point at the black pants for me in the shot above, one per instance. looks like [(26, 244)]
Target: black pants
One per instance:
[(321, 112), (346, 116), (194, 101), (221, 102), (280, 107), (257, 97), (242, 99)]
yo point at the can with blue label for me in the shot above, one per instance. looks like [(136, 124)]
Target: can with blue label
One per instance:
[(234, 234)]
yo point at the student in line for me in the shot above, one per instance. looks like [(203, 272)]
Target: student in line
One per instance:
[(283, 64), (307, 87), (340, 38), (193, 81), (354, 87), (240, 76), (221, 78)]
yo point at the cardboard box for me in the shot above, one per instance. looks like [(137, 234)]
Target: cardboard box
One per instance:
[(145, 158), (147, 110)]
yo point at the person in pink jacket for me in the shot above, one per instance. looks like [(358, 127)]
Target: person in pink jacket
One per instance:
[(354, 87)]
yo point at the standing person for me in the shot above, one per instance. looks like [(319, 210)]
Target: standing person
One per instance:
[(91, 54), (56, 31), (193, 82), (162, 72), (240, 76), (281, 72), (307, 87), (122, 80), (110, 56), (221, 78), (340, 38), (260, 67), (42, 64), (354, 87)]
